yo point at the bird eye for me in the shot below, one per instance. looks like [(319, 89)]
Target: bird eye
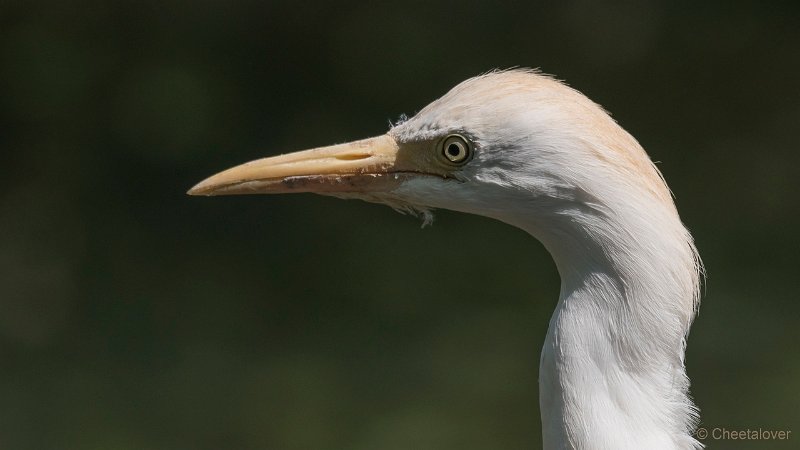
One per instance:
[(456, 149)]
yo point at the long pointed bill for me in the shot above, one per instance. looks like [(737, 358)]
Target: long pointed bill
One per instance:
[(362, 166)]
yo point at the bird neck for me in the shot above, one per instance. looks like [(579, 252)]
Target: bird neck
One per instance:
[(611, 369)]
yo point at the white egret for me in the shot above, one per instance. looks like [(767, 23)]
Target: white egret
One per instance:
[(523, 148)]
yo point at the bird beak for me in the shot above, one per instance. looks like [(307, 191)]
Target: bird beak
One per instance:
[(369, 165)]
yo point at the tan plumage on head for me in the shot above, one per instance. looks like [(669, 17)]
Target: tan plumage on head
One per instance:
[(528, 150)]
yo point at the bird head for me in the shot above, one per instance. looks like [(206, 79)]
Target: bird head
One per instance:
[(528, 150), (497, 145)]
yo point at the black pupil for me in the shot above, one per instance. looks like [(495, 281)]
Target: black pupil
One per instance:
[(453, 150)]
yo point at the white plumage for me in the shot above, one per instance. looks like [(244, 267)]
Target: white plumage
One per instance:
[(546, 159)]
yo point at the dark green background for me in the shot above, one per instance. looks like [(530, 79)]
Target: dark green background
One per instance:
[(135, 317)]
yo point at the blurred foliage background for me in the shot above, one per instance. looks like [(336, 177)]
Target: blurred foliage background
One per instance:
[(135, 317)]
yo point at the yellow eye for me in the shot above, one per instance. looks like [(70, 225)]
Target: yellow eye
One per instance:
[(456, 149)]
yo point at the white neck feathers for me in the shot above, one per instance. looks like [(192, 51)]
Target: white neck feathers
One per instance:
[(612, 374)]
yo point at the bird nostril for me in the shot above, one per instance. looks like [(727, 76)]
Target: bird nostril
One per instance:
[(353, 156)]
